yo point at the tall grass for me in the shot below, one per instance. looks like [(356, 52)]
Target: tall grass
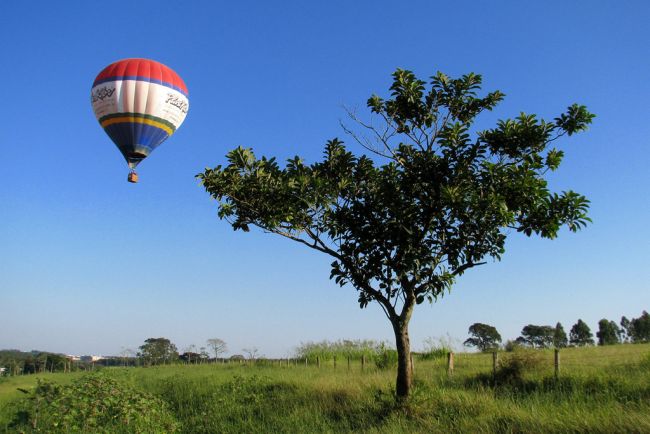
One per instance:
[(600, 390), (342, 350)]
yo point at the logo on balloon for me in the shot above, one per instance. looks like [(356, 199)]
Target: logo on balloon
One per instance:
[(177, 102), (101, 93)]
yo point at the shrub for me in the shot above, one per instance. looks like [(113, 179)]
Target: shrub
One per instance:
[(515, 365), (94, 403), (386, 358), (511, 346)]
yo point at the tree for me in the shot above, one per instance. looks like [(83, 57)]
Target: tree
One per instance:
[(155, 351), (190, 357), (559, 337), (190, 354), (580, 334), (431, 202), (217, 346), (484, 337), (626, 330), (127, 355), (251, 352), (608, 332), (204, 356), (640, 328), (537, 336)]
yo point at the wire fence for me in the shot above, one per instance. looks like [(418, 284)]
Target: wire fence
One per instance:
[(539, 362)]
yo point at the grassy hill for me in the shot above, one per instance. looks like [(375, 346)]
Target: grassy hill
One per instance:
[(599, 389)]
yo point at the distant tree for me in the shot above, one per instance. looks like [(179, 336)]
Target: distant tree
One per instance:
[(434, 200), (203, 352), (580, 334), (158, 350), (483, 337), (217, 346), (537, 336), (190, 357), (626, 332), (127, 355), (608, 332), (55, 362), (251, 352), (560, 339), (190, 353), (640, 328)]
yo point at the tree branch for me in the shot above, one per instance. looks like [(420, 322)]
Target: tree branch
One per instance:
[(460, 270)]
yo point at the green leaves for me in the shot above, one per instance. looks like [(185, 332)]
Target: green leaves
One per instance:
[(524, 136), (95, 403), (554, 158), (401, 230), (576, 119), (483, 336)]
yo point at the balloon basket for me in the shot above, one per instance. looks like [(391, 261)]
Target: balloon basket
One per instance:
[(133, 177)]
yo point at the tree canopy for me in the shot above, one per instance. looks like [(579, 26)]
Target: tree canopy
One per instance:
[(640, 328), (218, 346), (430, 200), (580, 334), (608, 332), (560, 339), (537, 336), (483, 337), (155, 351)]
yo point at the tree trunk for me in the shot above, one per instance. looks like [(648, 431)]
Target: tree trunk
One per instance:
[(404, 366)]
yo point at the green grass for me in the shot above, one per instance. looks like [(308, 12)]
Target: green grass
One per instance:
[(600, 390)]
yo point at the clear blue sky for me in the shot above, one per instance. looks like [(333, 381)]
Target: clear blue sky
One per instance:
[(92, 264)]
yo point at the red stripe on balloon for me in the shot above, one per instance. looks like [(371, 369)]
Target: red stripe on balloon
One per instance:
[(142, 68)]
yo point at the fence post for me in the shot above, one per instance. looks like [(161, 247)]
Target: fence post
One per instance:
[(363, 362), (334, 361), (318, 361), (450, 363), (348, 363), (557, 363), (495, 363)]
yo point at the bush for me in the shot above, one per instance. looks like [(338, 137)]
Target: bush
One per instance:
[(386, 359), (514, 366), (94, 403), (511, 346)]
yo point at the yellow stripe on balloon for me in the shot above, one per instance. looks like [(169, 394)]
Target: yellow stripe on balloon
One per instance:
[(153, 123)]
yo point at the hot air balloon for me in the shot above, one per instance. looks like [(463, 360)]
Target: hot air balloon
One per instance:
[(139, 103)]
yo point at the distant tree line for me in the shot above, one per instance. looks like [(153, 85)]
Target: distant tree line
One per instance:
[(157, 351), (636, 330), (160, 351), (17, 362), (154, 351)]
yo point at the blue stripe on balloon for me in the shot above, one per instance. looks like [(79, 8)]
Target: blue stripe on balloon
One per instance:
[(130, 137), (139, 78)]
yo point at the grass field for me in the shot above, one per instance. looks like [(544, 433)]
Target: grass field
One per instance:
[(600, 389)]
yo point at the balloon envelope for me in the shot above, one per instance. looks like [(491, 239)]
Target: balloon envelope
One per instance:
[(139, 103)]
